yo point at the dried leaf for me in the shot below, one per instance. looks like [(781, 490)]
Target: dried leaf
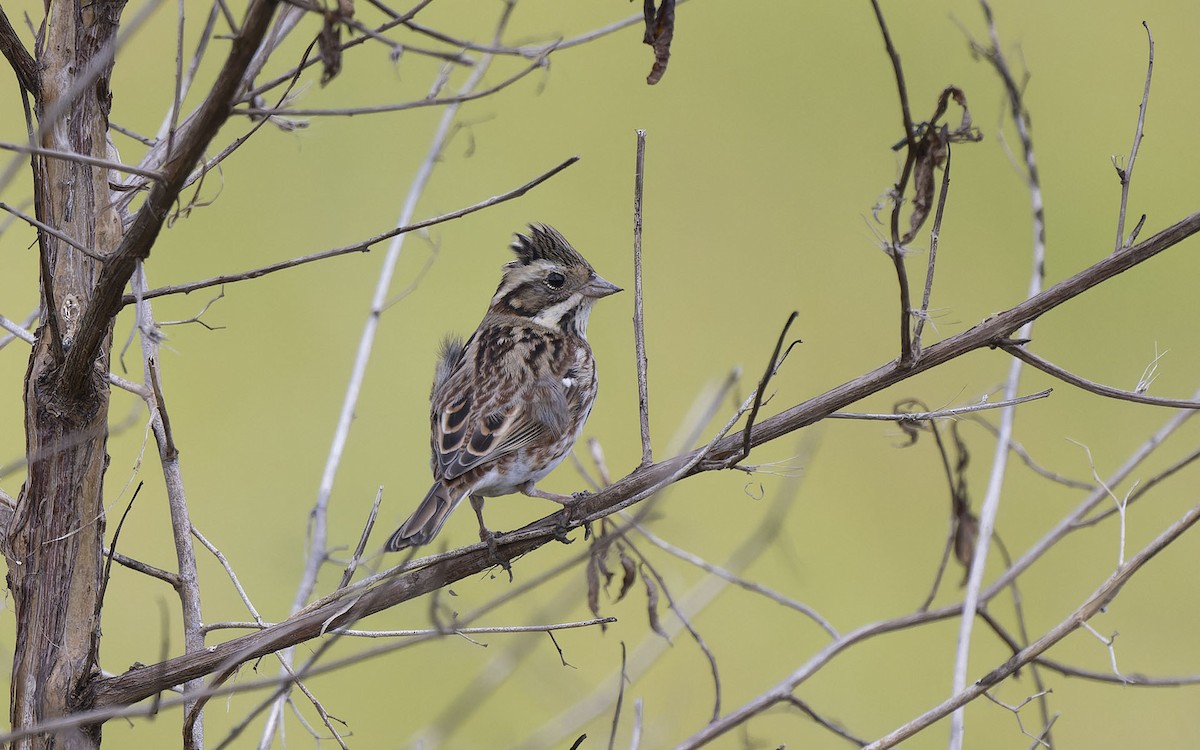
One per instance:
[(652, 606), (966, 534), (600, 555), (329, 45), (930, 154), (593, 587), (660, 30), (629, 567), (930, 150)]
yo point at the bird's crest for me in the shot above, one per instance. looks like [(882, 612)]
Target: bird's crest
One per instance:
[(545, 243)]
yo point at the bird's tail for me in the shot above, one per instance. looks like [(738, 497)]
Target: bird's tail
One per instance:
[(426, 521)]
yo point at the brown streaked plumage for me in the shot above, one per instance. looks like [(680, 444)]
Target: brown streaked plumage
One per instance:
[(509, 403)]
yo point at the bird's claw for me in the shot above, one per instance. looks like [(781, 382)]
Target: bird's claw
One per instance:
[(489, 538)]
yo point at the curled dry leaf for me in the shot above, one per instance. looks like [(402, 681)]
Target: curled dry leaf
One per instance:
[(329, 41), (652, 606), (591, 571), (966, 534), (660, 30), (629, 567), (931, 145)]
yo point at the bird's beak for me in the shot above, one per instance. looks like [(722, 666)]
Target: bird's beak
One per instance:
[(598, 287)]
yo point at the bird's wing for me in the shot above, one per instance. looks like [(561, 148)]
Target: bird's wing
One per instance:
[(484, 411)]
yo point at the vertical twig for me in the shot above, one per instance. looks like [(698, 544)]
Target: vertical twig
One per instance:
[(639, 332), (991, 501), (1126, 174), (934, 236), (188, 584), (622, 678), (894, 248)]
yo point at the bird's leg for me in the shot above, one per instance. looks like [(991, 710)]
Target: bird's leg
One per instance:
[(567, 501), (531, 491), (488, 538)]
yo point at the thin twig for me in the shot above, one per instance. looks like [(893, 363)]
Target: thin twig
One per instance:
[(1022, 353), (1143, 487), (934, 237), (772, 365), (1029, 461), (894, 249), (621, 680), (639, 331), (942, 413), (352, 566), (824, 723), (49, 230), (237, 584), (357, 247), (737, 580), (1126, 174), (449, 101), (143, 568), (78, 158)]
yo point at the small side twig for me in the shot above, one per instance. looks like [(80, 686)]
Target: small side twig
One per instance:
[(362, 540), (772, 366), (934, 236), (1126, 174), (42, 226)]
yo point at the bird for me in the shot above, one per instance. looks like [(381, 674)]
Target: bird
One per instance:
[(508, 404)]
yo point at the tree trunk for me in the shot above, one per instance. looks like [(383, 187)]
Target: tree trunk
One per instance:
[(56, 537)]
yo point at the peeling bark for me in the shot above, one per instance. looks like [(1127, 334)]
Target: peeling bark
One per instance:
[(56, 535)]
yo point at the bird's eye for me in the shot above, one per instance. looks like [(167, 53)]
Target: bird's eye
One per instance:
[(555, 280)]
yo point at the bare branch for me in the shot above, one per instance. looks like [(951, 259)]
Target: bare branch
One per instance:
[(78, 158)]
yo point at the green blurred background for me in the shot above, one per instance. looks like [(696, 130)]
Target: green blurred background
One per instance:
[(768, 145)]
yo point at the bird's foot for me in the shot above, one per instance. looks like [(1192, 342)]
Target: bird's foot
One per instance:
[(489, 538), (569, 520)]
